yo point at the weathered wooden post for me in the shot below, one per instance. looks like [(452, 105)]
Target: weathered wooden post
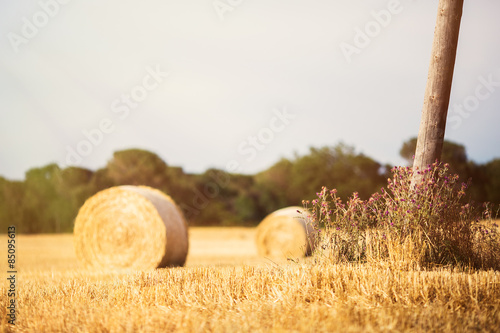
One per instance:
[(439, 80)]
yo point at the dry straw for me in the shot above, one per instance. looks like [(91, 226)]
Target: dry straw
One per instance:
[(130, 227), (285, 233)]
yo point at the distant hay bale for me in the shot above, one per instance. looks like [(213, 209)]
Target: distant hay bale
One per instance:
[(285, 233), (130, 227)]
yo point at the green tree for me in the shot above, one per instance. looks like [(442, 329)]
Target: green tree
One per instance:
[(492, 187), (137, 167), (214, 195), (273, 186), (73, 186), (40, 200), (100, 180), (337, 167), (455, 155), (11, 204), (243, 197)]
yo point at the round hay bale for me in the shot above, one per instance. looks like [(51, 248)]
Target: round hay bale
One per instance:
[(130, 227), (286, 233)]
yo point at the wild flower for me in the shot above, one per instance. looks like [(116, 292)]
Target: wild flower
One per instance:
[(431, 223)]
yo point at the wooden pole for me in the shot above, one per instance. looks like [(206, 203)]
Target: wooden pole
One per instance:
[(439, 80)]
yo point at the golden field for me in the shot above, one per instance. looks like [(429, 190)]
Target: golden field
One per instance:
[(226, 287)]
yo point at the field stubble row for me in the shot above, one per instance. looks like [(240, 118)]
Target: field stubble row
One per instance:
[(226, 287)]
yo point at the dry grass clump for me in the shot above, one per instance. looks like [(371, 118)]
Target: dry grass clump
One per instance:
[(298, 297), (130, 227), (285, 234)]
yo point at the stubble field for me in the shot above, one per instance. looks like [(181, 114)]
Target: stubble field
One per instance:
[(226, 287)]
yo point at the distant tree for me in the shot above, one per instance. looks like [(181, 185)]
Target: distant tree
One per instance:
[(273, 185), (73, 186), (492, 186), (453, 153), (100, 180), (456, 156), (245, 207), (47, 201), (337, 167), (11, 204), (40, 200), (180, 185), (137, 167), (223, 198), (72, 177)]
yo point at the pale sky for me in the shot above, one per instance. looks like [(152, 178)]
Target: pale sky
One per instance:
[(232, 84)]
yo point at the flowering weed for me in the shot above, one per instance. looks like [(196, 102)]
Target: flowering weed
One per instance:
[(428, 224)]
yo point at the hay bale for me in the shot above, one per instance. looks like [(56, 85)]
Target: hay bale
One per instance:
[(130, 227), (285, 233)]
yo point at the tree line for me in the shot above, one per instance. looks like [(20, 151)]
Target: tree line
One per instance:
[(49, 197)]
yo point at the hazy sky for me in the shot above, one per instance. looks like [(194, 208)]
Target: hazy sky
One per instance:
[(233, 84)]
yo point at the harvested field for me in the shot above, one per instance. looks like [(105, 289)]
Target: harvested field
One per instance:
[(226, 287)]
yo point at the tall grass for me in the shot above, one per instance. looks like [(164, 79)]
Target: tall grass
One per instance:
[(430, 224)]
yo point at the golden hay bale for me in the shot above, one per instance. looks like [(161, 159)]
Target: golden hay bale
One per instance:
[(286, 233), (130, 227)]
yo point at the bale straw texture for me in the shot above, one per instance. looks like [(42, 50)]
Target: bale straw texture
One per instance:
[(130, 227), (285, 233)]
